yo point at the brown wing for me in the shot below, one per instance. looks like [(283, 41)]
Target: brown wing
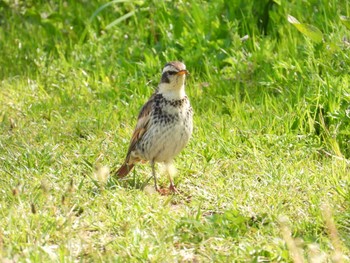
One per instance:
[(141, 126)]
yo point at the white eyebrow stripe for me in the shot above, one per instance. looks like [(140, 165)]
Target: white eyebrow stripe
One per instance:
[(169, 68)]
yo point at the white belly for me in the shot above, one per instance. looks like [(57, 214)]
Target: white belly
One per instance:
[(161, 143)]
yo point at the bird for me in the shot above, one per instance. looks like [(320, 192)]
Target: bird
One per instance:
[(164, 125)]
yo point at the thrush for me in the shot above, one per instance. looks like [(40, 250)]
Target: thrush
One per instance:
[(164, 125)]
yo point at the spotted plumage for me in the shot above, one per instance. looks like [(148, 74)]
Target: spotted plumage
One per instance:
[(164, 124)]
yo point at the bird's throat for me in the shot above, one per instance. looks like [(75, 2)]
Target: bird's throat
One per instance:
[(172, 92)]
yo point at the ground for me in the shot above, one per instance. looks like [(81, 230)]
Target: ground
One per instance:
[(265, 176)]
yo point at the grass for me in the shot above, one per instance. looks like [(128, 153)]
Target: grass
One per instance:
[(265, 176)]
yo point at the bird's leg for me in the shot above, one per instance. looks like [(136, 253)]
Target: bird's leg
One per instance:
[(154, 175), (172, 188), (171, 171)]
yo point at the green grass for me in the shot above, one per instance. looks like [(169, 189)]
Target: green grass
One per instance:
[(269, 157)]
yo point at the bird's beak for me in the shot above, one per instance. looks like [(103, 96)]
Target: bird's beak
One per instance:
[(182, 72)]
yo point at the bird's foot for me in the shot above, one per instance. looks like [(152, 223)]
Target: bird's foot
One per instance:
[(163, 191), (173, 189), (167, 191)]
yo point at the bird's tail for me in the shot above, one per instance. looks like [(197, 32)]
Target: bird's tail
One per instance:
[(124, 170)]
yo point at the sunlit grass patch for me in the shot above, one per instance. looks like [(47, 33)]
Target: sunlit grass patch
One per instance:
[(265, 176)]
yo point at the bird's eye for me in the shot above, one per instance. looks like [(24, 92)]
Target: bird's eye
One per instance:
[(172, 72)]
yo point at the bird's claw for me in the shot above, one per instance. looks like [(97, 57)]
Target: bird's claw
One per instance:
[(167, 191)]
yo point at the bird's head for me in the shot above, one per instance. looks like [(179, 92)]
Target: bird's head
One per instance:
[(173, 77)]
